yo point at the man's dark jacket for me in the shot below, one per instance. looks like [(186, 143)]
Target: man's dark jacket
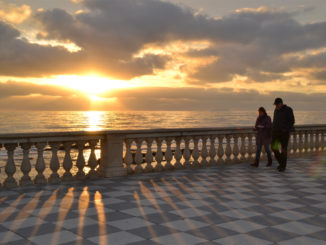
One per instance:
[(283, 119)]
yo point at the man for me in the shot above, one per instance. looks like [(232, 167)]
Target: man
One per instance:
[(283, 122)]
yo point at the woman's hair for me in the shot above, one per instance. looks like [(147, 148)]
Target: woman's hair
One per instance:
[(262, 109)]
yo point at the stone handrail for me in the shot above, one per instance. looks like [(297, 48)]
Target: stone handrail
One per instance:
[(121, 152)]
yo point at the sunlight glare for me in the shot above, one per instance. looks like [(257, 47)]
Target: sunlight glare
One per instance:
[(95, 120), (90, 84)]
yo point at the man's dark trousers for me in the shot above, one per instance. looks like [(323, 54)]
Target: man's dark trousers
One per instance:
[(280, 137)]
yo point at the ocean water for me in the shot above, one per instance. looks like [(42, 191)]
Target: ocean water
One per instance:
[(55, 121)]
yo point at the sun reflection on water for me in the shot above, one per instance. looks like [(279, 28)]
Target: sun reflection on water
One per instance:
[(95, 120)]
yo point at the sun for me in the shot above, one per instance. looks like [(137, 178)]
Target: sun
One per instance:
[(90, 84)]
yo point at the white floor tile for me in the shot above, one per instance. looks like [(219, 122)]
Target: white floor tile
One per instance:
[(55, 238), (185, 225), (242, 239), (299, 228), (118, 238), (241, 226)]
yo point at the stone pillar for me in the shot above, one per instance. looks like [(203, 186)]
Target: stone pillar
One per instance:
[(111, 163)]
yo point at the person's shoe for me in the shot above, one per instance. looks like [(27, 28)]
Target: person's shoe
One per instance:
[(281, 170), (278, 167), (270, 162), (255, 164)]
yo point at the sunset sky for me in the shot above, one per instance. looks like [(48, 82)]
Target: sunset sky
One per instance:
[(162, 55)]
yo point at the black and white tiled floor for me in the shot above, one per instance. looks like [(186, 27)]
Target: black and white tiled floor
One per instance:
[(233, 204)]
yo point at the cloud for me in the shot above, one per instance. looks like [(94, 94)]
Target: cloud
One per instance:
[(12, 88), (253, 43), (169, 99), (30, 96), (18, 57), (13, 13)]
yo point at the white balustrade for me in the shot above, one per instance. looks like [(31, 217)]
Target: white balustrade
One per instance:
[(204, 152), (53, 158), (81, 160), (168, 154), (26, 165), (149, 156), (159, 155), (178, 154), (220, 151), (236, 150), (128, 159), (195, 153), (212, 151), (40, 165), (139, 156)]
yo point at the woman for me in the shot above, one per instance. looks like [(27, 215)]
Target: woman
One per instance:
[(263, 138)]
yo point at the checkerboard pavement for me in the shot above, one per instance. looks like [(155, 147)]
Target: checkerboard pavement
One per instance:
[(233, 204)]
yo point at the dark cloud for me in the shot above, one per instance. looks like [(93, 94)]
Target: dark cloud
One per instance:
[(11, 88), (252, 43), (18, 57), (30, 96), (321, 76), (166, 99)]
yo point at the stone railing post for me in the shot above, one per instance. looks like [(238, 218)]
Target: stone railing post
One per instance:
[(128, 160), (10, 168), (149, 156), (228, 149), (178, 154), (26, 165), (40, 165), (111, 163), (243, 148), (204, 152), (212, 151)]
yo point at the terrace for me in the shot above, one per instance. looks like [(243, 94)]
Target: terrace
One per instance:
[(54, 188)]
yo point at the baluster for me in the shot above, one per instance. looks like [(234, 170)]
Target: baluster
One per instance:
[(317, 143), (323, 141), (92, 162), (212, 151), (250, 148), (149, 156), (168, 154), (295, 144), (236, 151), (0, 168), (10, 168), (220, 150), (204, 153), (26, 165), (195, 153), (67, 162), (228, 150), (243, 148), (40, 165), (300, 144), (139, 156), (186, 153), (80, 160), (312, 142), (306, 143), (128, 157), (159, 155), (178, 154), (54, 164)]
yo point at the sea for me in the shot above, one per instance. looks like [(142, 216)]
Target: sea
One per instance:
[(63, 121)]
